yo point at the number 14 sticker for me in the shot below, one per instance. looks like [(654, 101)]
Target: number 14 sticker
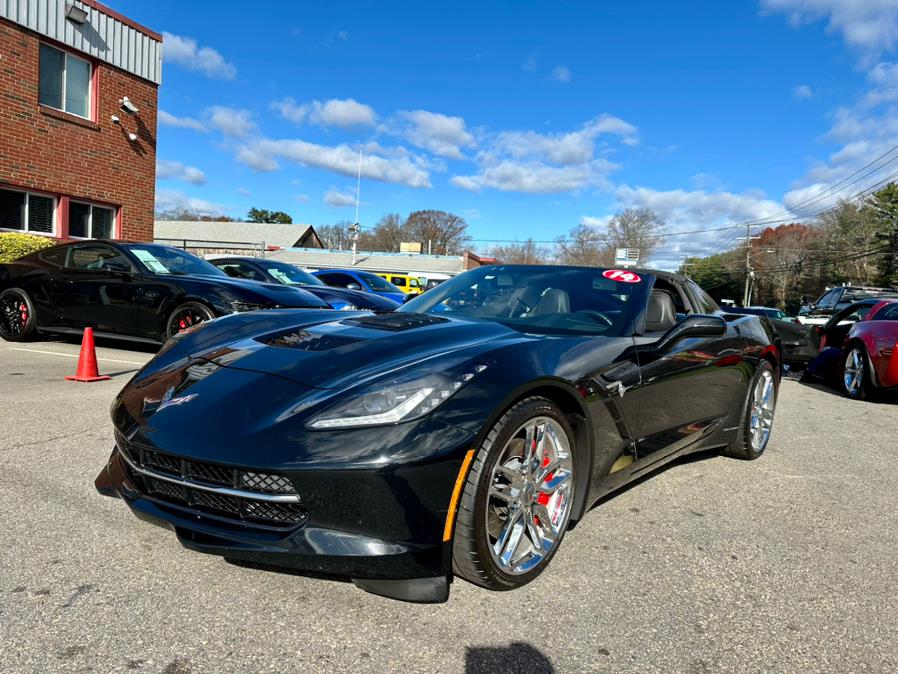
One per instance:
[(621, 275)]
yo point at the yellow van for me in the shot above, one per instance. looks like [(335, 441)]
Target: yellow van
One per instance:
[(405, 282)]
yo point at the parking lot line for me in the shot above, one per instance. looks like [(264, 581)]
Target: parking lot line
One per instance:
[(73, 355)]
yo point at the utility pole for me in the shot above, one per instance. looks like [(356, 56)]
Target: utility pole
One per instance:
[(749, 274)]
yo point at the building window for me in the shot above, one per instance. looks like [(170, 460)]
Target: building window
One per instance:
[(64, 81), (87, 221), (26, 212)]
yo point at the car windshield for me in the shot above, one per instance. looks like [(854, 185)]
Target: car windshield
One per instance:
[(288, 274), (377, 283), (774, 313), (165, 260), (539, 298)]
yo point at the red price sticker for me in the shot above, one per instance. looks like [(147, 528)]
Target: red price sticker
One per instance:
[(622, 275)]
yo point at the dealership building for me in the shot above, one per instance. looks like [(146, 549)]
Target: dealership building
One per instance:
[(79, 86)]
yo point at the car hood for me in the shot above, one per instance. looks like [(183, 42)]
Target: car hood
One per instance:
[(319, 352), (287, 296)]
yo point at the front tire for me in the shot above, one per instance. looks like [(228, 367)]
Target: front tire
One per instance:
[(17, 319), (517, 500), (757, 416)]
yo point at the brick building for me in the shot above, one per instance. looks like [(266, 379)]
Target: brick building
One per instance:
[(78, 92)]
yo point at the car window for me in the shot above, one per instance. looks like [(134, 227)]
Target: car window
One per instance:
[(165, 260), (706, 303), (887, 313), (337, 279), (96, 257), (677, 295), (546, 299), (55, 256), (397, 281), (828, 301), (413, 282), (288, 274), (240, 270)]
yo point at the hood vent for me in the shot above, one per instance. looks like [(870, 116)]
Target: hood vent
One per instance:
[(395, 321), (307, 341)]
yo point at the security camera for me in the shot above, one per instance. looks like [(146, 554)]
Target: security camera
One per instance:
[(128, 106), (132, 137), (115, 119)]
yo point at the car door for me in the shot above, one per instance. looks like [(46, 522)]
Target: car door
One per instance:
[(341, 280), (96, 288), (689, 387)]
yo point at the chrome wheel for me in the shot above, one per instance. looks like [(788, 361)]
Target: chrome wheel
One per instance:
[(853, 378), (529, 497), (763, 403)]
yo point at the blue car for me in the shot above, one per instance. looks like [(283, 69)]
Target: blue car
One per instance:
[(361, 280), (272, 271)]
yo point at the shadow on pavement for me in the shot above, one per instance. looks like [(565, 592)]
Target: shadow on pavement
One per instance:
[(517, 658)]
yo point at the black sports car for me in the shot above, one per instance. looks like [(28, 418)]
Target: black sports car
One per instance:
[(459, 435), (274, 271), (799, 341), (137, 291)]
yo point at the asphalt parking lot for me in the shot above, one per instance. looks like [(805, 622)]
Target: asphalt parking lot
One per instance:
[(781, 565)]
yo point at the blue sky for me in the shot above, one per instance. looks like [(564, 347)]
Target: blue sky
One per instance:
[(527, 118)]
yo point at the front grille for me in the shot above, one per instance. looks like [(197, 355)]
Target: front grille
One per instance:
[(193, 474)]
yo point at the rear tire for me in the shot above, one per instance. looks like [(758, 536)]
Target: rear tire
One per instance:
[(18, 322), (186, 316), (515, 506), (757, 416), (856, 380)]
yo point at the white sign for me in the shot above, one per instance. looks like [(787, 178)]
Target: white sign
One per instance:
[(625, 257)]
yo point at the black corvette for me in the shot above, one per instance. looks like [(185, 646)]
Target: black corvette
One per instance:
[(459, 435), (128, 290)]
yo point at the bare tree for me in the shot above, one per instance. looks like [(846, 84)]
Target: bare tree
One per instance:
[(386, 236), (439, 232), (635, 228), (585, 245), (336, 236), (525, 252)]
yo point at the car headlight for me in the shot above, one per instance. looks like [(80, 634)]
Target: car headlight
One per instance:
[(397, 399), (239, 306)]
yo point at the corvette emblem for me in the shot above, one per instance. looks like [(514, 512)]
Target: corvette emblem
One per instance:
[(171, 402)]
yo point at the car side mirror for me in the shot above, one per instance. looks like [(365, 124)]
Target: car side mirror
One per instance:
[(696, 325), (353, 286)]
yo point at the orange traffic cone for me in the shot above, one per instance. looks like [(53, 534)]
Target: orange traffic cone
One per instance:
[(87, 360)]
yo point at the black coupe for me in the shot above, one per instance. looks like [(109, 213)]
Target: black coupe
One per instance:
[(135, 291), (460, 435)]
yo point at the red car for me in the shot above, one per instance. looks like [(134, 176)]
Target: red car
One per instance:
[(870, 354)]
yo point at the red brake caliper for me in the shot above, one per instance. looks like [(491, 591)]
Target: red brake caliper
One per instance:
[(543, 499), (24, 313)]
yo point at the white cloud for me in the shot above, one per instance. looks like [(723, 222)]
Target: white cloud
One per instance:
[(167, 200), (802, 92), (535, 163), (536, 178), (441, 134), (175, 170), (231, 121), (576, 147), (868, 26), (343, 113), (593, 221), (338, 199), (186, 52), (243, 192), (403, 169), (302, 198), (561, 74), (687, 211), (183, 122)]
